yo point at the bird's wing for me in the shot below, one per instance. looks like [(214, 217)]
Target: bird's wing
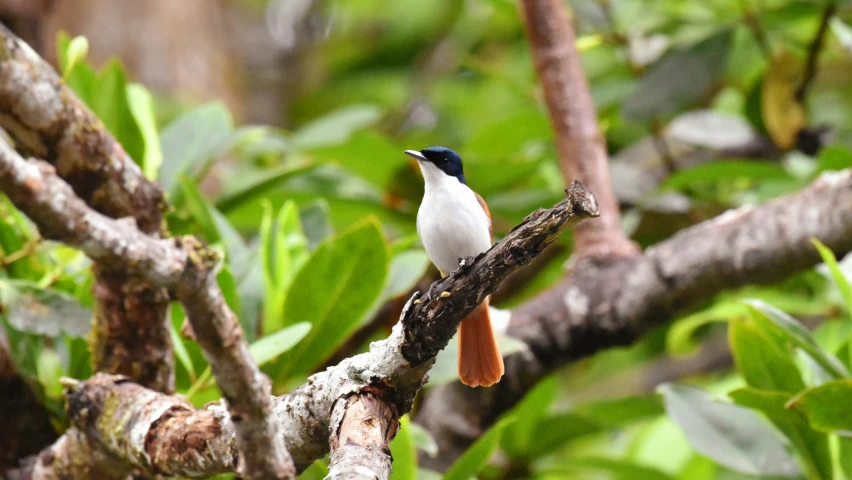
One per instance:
[(485, 208)]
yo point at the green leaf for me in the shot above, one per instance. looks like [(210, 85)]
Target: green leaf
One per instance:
[(110, 103), (338, 284), (554, 431), (679, 79), (192, 139), (49, 370), (845, 455), (254, 185), (827, 406), (141, 105), (836, 274), (811, 446), (284, 249), (783, 327), (405, 270), (199, 209), (404, 453), (73, 54), (475, 457), (369, 154), (732, 435), (761, 361), (616, 469), (423, 439), (725, 171), (679, 338), (181, 353), (263, 351), (337, 126), (271, 346), (527, 412), (834, 157)]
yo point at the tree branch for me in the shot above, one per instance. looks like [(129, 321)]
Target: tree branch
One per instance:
[(46, 119), (360, 446), (183, 264), (604, 304), (392, 371), (581, 147), (814, 50)]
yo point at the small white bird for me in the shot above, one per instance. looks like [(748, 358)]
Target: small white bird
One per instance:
[(454, 223)]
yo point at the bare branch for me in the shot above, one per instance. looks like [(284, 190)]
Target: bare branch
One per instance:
[(185, 265), (582, 152), (603, 304)]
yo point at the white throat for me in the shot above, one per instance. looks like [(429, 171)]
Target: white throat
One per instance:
[(435, 178)]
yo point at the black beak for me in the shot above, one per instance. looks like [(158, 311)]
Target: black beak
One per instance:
[(416, 155)]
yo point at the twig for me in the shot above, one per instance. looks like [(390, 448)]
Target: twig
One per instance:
[(814, 50), (185, 265)]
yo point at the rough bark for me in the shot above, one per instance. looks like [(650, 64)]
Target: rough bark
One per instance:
[(581, 147), (130, 335), (46, 119), (604, 304), (393, 370), (26, 423), (360, 446), (183, 265), (73, 456)]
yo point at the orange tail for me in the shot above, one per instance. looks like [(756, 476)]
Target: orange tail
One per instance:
[(480, 362)]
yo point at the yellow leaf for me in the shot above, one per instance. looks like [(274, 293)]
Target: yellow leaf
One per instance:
[(783, 115)]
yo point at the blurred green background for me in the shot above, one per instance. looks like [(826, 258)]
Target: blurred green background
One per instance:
[(277, 130)]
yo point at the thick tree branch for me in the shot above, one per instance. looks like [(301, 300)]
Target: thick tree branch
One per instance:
[(603, 304), (48, 121), (184, 265), (391, 372), (360, 445), (581, 147)]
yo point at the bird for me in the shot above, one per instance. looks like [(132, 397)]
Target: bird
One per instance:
[(454, 223)]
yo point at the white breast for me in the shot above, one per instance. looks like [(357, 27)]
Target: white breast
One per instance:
[(451, 223)]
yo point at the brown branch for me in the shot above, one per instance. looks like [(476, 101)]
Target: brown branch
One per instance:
[(184, 265), (604, 304), (814, 50), (581, 147), (360, 445)]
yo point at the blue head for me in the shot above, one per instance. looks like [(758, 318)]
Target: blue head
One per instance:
[(445, 159)]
